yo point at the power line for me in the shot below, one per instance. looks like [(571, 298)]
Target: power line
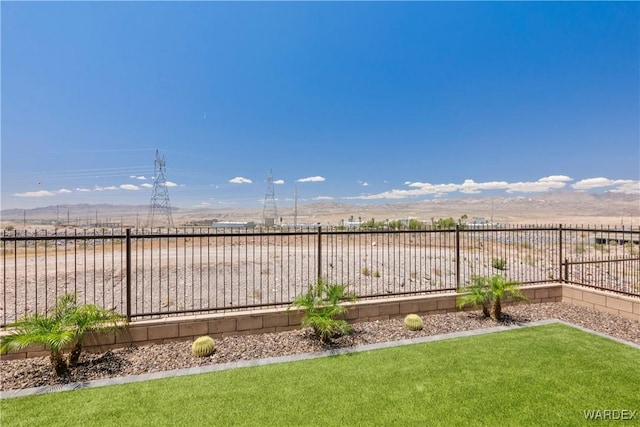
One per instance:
[(270, 212), (160, 197)]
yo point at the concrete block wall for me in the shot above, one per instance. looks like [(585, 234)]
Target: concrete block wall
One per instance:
[(607, 302), (276, 320)]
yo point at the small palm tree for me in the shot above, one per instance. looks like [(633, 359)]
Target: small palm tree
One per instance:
[(65, 326), (489, 292), (41, 329), (90, 318), (476, 295), (322, 306), (501, 288)]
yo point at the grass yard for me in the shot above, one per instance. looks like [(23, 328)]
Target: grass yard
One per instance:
[(545, 375)]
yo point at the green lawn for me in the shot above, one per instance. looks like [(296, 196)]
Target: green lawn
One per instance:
[(544, 375)]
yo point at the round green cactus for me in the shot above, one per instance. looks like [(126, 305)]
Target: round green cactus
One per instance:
[(413, 322), (203, 346)]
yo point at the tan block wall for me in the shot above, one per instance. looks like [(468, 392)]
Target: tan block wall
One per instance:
[(188, 328), (607, 302)]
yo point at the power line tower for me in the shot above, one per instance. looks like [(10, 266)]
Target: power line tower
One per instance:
[(270, 212), (160, 197), (295, 207)]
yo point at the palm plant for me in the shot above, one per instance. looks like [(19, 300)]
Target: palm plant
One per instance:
[(476, 295), (65, 326), (501, 288), (489, 292), (41, 329), (90, 318), (322, 306)]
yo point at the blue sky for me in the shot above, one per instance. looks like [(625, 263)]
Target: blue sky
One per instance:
[(353, 102)]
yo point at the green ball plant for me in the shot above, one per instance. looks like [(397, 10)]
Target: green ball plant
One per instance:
[(413, 322), (203, 346)]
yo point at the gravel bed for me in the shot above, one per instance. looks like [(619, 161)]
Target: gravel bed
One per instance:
[(34, 372)]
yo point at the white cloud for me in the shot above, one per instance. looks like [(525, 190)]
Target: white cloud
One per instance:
[(63, 191), (141, 178), (556, 178), (627, 187), (311, 179), (539, 186), (279, 181), (240, 180), (170, 184), (83, 190), (323, 198), (111, 187), (469, 186), (41, 193), (129, 187), (624, 186), (146, 185), (590, 183)]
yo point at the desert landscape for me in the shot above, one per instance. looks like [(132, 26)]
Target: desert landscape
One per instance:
[(171, 275), (570, 208)]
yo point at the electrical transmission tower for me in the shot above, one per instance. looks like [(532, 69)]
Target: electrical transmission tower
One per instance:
[(270, 213), (160, 205)]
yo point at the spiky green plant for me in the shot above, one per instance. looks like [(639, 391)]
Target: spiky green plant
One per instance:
[(66, 325), (322, 305), (40, 329), (90, 318), (203, 346), (488, 293), (413, 322), (501, 288), (478, 294)]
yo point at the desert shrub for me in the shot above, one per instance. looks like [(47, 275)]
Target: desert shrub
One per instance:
[(499, 263), (413, 322), (203, 346), (66, 325), (488, 293), (322, 306)]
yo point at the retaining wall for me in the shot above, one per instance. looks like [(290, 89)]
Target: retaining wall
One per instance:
[(276, 320)]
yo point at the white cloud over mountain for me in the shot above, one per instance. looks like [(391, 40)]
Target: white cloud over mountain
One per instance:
[(469, 186), (413, 189)]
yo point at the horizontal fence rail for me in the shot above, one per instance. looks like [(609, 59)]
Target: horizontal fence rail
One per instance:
[(154, 273)]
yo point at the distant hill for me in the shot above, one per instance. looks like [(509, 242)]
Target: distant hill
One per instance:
[(554, 207)]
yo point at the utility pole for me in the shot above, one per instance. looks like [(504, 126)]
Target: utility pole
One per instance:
[(160, 196), (270, 212), (295, 207)]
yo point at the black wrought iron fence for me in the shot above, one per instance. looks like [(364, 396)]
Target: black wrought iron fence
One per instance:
[(151, 273), (602, 258)]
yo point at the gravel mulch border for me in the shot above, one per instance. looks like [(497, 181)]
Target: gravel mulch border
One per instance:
[(36, 372)]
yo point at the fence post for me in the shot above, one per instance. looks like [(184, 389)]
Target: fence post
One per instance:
[(560, 253), (457, 256), (319, 266), (128, 274)]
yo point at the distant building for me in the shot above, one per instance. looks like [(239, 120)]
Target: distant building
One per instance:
[(233, 224), (352, 224), (478, 222)]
